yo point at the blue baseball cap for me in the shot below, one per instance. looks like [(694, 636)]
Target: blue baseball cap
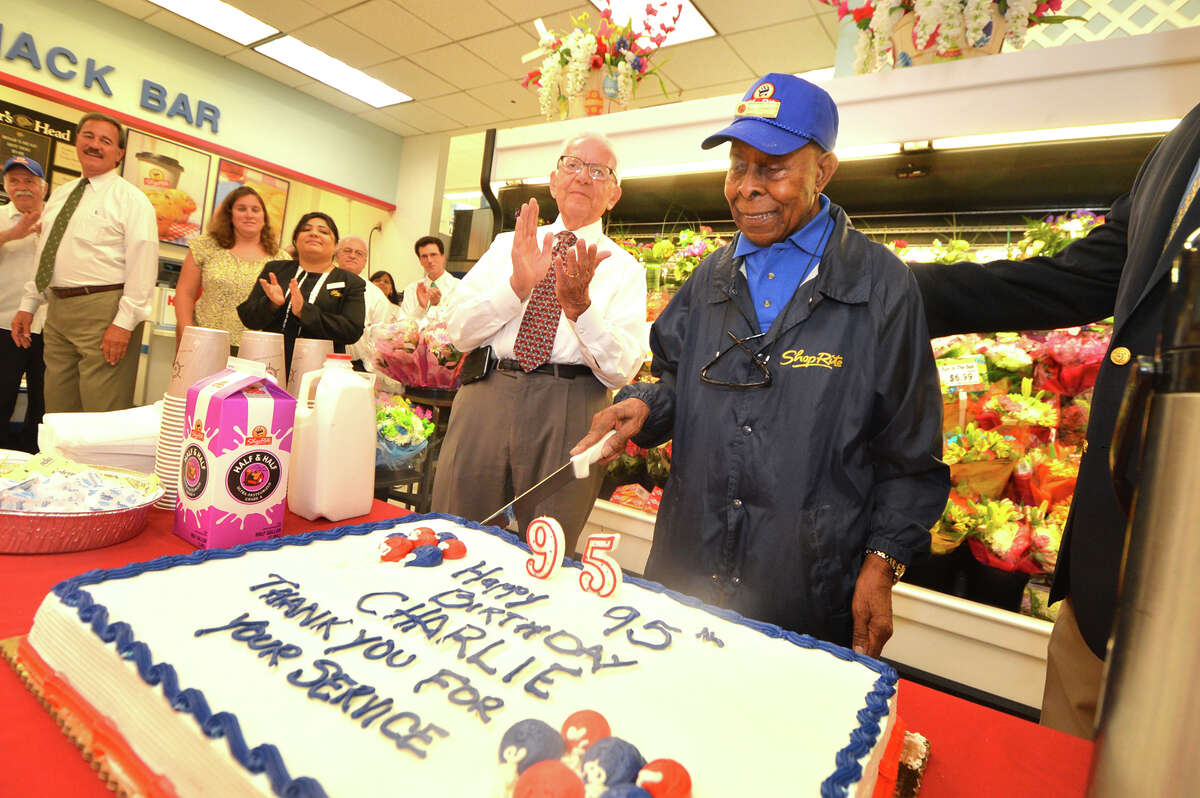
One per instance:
[(780, 114), (28, 163)]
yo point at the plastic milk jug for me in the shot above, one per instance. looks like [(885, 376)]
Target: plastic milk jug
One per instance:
[(333, 446)]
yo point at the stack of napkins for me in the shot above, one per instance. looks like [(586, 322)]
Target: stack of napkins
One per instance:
[(120, 438)]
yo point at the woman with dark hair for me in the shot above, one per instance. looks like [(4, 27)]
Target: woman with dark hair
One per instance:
[(221, 265), (308, 297), (383, 281)]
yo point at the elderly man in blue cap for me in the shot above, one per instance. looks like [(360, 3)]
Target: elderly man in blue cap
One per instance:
[(798, 385)]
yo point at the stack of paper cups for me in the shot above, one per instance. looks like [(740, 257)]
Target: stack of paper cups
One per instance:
[(266, 348), (308, 355), (202, 352)]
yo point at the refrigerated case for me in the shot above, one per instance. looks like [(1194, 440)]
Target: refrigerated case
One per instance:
[(916, 161)]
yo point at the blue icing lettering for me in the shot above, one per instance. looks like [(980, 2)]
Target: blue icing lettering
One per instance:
[(463, 695)]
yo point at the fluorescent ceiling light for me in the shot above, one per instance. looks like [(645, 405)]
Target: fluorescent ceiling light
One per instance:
[(1058, 134), (332, 72), (221, 17), (691, 25), (863, 151)]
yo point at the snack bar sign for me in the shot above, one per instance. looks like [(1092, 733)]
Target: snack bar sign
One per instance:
[(64, 65)]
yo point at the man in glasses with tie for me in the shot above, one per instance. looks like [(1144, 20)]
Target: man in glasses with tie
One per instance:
[(97, 260), (559, 311), (799, 387)]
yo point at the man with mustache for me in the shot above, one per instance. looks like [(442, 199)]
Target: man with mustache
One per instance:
[(25, 185), (798, 385), (96, 263)]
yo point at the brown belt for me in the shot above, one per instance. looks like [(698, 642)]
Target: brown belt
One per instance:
[(80, 290)]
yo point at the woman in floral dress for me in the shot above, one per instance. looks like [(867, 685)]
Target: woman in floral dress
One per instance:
[(221, 266)]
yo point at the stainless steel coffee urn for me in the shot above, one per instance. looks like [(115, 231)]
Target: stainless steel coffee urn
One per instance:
[(1148, 735)]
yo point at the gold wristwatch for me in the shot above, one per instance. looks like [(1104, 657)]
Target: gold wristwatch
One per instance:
[(898, 568)]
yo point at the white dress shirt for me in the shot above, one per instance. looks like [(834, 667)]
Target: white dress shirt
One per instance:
[(17, 266), (111, 238), (447, 284), (611, 336), (380, 310)]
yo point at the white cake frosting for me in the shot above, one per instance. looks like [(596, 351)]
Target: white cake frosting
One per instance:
[(374, 678)]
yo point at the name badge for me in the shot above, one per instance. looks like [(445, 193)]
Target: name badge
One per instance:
[(332, 286)]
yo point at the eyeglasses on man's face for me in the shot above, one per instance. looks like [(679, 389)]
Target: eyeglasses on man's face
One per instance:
[(596, 171), (759, 359)]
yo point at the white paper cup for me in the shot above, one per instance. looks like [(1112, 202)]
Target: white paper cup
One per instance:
[(266, 348), (202, 352), (308, 355)]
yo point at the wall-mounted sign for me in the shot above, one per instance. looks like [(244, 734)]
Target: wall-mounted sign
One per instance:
[(46, 139), (175, 180)]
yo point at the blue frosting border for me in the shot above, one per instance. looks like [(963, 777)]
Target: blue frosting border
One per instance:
[(265, 758)]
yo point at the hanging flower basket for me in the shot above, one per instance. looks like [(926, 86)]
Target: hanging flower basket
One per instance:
[(907, 52)]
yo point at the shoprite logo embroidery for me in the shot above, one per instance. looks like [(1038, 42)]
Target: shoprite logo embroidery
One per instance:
[(797, 359)]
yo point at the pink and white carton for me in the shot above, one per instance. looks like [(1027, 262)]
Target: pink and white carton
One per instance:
[(234, 471)]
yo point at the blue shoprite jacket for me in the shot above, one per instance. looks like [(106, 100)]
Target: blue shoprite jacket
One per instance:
[(776, 492)]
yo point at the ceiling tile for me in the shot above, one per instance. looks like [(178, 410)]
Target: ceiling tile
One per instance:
[(192, 33), (271, 68), (335, 98), (409, 78), (134, 8), (526, 10), (509, 98), (503, 49), (423, 118), (649, 92), (334, 6), (287, 15), (795, 46), (343, 42), (461, 68), (460, 18), (727, 17), (701, 63), (392, 26), (560, 21), (465, 109), (384, 118)]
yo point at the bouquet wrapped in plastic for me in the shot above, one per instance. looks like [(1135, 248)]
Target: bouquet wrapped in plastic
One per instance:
[(1002, 536), (1073, 359), (403, 430), (1045, 535), (980, 461), (957, 522), (418, 356)]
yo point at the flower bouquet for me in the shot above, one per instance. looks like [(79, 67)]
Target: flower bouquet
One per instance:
[(1045, 535), (418, 356), (957, 522), (1027, 416), (403, 430), (1002, 536), (981, 461), (1052, 234), (584, 68), (1073, 359)]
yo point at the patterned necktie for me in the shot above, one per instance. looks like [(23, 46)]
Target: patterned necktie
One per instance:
[(1188, 196), (50, 250), (539, 325)]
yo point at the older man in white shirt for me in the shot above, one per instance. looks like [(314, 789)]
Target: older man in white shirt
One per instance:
[(25, 185), (97, 260), (563, 309), (352, 256)]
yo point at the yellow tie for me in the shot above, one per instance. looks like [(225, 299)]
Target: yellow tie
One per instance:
[(1188, 196), (50, 251)]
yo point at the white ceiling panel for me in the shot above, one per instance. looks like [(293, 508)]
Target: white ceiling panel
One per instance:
[(399, 30), (411, 79), (287, 15), (525, 10), (560, 21), (730, 17), (459, 19), (423, 118), (454, 64), (795, 46), (384, 118), (330, 6), (134, 8), (343, 42), (334, 98), (270, 67), (503, 50), (701, 63), (192, 33), (465, 109), (509, 98)]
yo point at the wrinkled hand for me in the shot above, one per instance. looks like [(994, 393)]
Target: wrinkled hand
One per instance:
[(626, 417), (22, 329), (530, 262), (297, 297), (872, 607), (272, 289), (574, 275), (114, 343), (26, 224)]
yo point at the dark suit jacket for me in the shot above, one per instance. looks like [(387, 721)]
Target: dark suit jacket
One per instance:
[(336, 314), (1120, 269)]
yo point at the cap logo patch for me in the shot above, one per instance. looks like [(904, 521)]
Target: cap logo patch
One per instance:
[(767, 109), (764, 90)]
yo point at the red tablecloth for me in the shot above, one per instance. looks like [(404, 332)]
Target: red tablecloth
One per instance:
[(977, 752)]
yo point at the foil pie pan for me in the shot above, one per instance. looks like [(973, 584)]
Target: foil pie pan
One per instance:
[(54, 533)]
